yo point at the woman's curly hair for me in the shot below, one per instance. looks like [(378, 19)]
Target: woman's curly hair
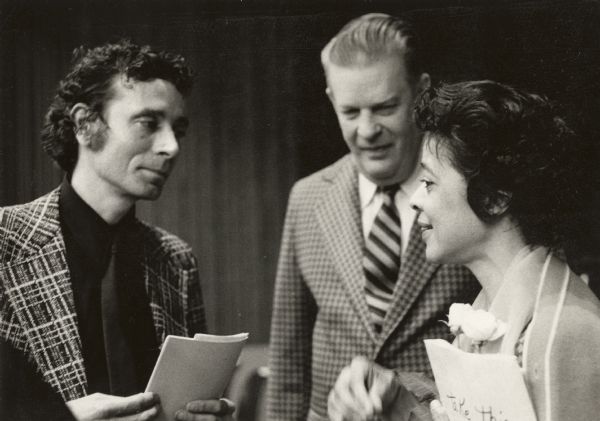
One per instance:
[(89, 82), (508, 143)]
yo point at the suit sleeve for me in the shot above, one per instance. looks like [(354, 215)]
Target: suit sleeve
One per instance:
[(24, 395), (294, 311)]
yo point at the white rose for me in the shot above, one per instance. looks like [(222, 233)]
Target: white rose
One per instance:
[(456, 316), (479, 325)]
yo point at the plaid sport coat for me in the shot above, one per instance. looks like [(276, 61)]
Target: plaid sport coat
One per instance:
[(320, 315), (37, 309)]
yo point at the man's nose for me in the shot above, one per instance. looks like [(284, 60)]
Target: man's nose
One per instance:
[(167, 143), (368, 127)]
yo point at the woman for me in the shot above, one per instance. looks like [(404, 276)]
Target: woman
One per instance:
[(500, 194)]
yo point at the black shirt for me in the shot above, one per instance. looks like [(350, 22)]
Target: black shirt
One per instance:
[(88, 240)]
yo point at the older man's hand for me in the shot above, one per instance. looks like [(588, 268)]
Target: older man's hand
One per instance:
[(363, 391), (438, 412)]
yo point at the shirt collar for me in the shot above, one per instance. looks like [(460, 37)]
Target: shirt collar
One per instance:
[(367, 189), (91, 233)]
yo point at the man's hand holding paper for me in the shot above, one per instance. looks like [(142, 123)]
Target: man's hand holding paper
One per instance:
[(99, 406), (204, 410), (144, 407)]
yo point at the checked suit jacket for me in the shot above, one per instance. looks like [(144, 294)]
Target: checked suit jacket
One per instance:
[(37, 309), (320, 315)]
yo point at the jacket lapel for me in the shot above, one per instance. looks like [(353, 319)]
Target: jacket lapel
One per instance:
[(39, 289), (166, 286), (414, 275), (339, 218)]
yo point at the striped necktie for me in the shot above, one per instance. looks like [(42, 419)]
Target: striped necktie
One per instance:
[(381, 261)]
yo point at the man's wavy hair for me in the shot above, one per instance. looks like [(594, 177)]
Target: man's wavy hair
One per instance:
[(371, 37), (90, 81), (509, 145)]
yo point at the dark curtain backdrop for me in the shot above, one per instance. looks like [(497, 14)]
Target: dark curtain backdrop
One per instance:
[(260, 116)]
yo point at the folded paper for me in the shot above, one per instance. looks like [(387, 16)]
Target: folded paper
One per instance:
[(479, 387), (189, 369)]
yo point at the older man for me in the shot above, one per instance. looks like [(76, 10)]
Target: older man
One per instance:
[(352, 277)]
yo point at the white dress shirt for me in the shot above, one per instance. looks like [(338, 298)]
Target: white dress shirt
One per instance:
[(371, 200)]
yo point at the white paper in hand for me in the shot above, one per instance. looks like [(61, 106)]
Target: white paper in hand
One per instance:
[(479, 386), (188, 369)]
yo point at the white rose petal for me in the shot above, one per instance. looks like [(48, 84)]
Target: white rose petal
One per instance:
[(457, 314), (480, 325)]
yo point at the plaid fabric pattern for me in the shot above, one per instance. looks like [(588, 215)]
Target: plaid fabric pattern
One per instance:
[(37, 310), (320, 315)]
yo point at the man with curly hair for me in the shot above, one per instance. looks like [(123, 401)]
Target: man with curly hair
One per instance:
[(88, 292)]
